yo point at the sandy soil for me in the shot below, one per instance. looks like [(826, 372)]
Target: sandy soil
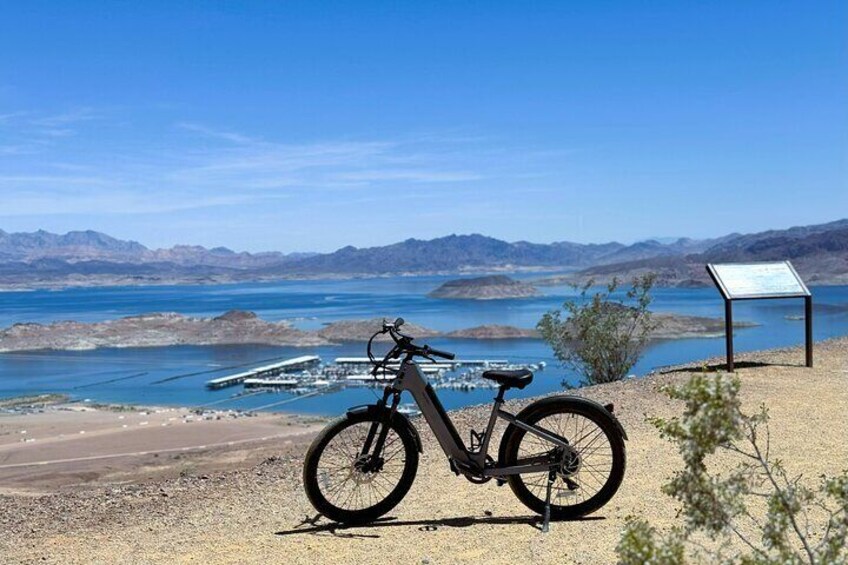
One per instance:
[(68, 447), (259, 514)]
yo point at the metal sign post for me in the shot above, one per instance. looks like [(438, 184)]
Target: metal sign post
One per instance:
[(808, 328), (758, 281)]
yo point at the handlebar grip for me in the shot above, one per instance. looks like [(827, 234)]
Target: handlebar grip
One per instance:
[(442, 354)]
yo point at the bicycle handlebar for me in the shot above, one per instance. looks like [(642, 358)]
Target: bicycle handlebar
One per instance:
[(403, 344), (443, 354)]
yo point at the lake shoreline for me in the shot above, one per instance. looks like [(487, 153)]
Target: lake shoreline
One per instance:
[(235, 327), (110, 281), (556, 277)]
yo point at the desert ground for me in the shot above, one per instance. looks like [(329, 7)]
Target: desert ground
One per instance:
[(70, 446), (243, 502)]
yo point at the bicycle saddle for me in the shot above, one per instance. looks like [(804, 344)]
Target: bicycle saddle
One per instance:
[(510, 379)]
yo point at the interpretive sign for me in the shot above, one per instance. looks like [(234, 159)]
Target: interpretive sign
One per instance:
[(753, 281), (757, 280)]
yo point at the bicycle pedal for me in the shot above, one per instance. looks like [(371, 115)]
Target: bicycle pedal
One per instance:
[(477, 438)]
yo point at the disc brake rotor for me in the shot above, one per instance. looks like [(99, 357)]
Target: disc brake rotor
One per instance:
[(360, 478), (571, 463), (365, 469)]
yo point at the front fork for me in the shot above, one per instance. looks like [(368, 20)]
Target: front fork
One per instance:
[(369, 461)]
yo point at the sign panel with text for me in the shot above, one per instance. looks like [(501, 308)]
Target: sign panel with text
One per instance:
[(757, 280)]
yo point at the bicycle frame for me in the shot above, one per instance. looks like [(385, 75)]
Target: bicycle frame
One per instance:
[(411, 379)]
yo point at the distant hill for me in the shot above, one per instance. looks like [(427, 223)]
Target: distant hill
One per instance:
[(819, 253), (453, 253), (493, 287), (44, 259), (83, 246), (75, 245), (479, 253), (652, 248)]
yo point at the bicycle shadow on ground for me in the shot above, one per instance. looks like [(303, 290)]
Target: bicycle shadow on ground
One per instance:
[(311, 525)]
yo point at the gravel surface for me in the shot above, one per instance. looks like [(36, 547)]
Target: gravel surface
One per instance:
[(260, 514)]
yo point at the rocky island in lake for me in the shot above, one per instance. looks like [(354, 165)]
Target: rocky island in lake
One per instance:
[(493, 287), (156, 330), (494, 331), (362, 330), (238, 327)]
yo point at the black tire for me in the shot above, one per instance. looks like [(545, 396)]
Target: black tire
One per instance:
[(386, 488), (592, 432)]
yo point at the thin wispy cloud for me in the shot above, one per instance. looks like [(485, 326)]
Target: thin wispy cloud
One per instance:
[(28, 133), (188, 173), (217, 134), (258, 164), (20, 149), (66, 118), (151, 183), (19, 180), (382, 175), (7, 117), (112, 202)]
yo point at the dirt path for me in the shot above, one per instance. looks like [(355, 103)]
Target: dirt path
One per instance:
[(259, 515)]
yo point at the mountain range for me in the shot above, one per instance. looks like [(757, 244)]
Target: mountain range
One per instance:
[(819, 253), (82, 246), (44, 259)]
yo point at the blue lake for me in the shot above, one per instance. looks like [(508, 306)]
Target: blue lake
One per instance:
[(128, 375)]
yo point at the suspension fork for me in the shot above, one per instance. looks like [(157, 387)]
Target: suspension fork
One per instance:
[(380, 428)]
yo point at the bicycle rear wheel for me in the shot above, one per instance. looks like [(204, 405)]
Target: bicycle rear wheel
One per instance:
[(587, 477), (348, 486)]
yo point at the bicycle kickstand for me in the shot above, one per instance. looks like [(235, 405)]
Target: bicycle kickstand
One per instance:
[(547, 518)]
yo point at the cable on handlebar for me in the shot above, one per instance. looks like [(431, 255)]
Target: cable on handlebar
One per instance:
[(403, 344)]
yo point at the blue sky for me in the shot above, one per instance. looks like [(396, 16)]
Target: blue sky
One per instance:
[(313, 125)]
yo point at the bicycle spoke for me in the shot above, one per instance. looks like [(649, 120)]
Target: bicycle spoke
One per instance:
[(591, 444), (348, 487)]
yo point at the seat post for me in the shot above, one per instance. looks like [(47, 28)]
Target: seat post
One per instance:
[(500, 397)]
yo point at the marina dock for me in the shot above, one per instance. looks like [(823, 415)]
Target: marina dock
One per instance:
[(273, 370), (353, 361), (307, 376)]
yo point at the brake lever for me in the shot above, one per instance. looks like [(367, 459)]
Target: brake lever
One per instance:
[(429, 358)]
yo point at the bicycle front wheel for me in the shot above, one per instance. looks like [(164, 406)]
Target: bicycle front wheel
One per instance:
[(345, 484)]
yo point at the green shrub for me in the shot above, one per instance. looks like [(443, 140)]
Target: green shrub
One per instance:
[(791, 523), (600, 335)]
